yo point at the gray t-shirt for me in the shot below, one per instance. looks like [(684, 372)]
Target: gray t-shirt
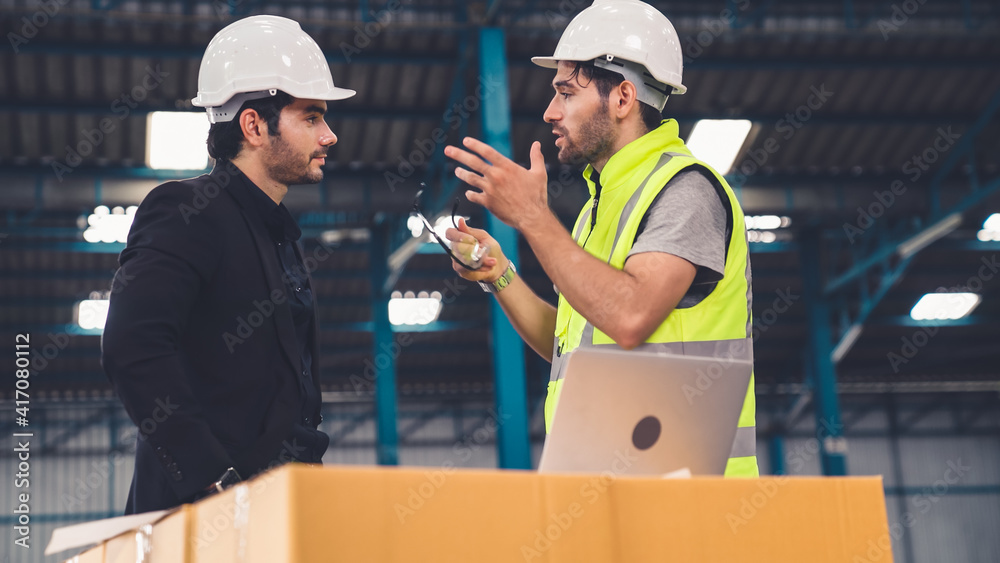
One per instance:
[(687, 220)]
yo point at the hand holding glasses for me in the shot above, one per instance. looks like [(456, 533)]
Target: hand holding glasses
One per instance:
[(471, 260)]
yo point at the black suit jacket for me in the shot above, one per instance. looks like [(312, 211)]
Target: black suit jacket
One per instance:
[(199, 343)]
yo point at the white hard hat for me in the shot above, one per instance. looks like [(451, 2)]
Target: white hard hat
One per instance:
[(254, 58), (612, 31)]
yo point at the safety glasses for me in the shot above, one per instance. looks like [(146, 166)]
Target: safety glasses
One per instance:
[(475, 259)]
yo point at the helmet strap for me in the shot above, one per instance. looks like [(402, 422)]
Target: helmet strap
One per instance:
[(228, 110), (648, 89)]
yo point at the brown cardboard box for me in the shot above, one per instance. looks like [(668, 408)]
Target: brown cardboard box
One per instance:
[(92, 555), (166, 541), (308, 514), (171, 539)]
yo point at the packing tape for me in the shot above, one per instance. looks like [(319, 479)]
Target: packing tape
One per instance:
[(144, 544), (241, 521)]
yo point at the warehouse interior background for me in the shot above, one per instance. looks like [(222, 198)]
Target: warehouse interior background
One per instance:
[(870, 170)]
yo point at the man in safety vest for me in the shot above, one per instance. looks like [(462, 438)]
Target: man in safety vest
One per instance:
[(658, 258)]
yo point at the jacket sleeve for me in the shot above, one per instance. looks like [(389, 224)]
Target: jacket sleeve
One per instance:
[(170, 255)]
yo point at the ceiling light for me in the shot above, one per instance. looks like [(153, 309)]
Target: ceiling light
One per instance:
[(175, 140), (718, 141), (944, 306), (766, 221), (109, 225), (991, 229), (91, 314), (410, 309)]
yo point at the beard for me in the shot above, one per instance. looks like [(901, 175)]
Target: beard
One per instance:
[(286, 166), (594, 140)]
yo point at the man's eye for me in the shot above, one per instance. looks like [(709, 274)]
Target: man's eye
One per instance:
[(565, 95)]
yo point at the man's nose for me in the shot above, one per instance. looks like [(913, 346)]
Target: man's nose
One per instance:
[(551, 114), (328, 138)]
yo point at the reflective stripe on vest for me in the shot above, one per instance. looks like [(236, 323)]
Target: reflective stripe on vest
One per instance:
[(719, 326)]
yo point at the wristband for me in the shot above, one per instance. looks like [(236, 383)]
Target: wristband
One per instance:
[(502, 282)]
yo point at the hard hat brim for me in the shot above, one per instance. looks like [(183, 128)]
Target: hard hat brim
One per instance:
[(339, 94), (547, 62), (553, 62)]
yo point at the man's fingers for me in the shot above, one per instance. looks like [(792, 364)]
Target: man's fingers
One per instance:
[(480, 234), (476, 197), (468, 159), (487, 152), (537, 158), (471, 178)]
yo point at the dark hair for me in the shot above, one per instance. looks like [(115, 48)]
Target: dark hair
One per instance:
[(225, 139), (605, 80)]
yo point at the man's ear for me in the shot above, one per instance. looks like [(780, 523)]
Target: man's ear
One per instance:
[(254, 127), (623, 99)]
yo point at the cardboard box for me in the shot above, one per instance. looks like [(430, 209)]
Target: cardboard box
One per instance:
[(166, 541), (305, 514), (92, 555)]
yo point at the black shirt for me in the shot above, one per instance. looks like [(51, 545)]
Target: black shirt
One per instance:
[(285, 234)]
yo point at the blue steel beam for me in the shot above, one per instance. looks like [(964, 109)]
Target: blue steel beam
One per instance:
[(513, 446), (851, 334), (829, 431), (445, 183), (964, 147), (776, 451), (384, 351)]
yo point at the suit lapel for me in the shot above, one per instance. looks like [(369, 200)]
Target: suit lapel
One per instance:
[(272, 272)]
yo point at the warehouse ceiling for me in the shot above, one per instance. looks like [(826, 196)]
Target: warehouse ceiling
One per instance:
[(873, 123)]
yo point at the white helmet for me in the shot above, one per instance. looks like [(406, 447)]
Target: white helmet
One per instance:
[(254, 58), (612, 32)]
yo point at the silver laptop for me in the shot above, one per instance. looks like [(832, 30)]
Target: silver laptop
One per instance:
[(640, 413)]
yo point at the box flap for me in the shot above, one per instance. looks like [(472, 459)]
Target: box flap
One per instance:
[(79, 535)]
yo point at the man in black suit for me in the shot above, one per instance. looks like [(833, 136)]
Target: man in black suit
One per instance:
[(211, 337)]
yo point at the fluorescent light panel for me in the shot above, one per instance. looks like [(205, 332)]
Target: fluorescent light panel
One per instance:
[(109, 225), (766, 221), (409, 309), (175, 140), (944, 306), (718, 141), (91, 313), (991, 229)]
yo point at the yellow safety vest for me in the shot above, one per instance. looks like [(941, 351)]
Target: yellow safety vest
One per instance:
[(718, 326)]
